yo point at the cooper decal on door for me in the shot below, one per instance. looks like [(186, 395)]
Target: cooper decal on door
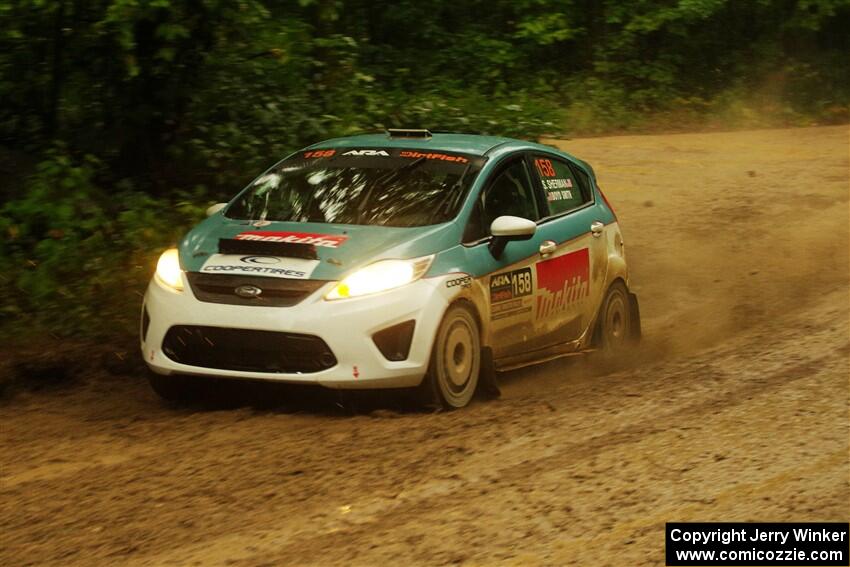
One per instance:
[(562, 281)]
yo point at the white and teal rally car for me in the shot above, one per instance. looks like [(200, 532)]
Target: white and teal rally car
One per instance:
[(399, 260)]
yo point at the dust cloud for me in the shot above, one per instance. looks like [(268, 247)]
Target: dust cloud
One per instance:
[(734, 409)]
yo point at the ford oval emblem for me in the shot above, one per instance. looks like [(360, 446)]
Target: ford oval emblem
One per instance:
[(248, 291)]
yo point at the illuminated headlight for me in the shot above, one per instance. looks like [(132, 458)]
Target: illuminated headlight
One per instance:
[(168, 270), (380, 276)]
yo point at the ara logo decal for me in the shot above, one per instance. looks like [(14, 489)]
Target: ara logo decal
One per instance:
[(562, 281), (510, 285), (507, 291), (366, 153)]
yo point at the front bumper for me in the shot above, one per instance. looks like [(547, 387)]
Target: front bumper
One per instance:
[(346, 326)]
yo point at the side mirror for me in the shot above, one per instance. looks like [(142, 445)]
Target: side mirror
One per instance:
[(215, 208), (507, 228)]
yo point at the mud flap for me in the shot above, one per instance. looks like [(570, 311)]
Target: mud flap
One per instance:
[(634, 312), (487, 386)]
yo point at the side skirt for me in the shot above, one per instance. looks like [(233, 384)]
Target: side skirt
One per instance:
[(571, 348), (541, 360)]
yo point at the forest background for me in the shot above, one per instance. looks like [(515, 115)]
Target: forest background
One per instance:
[(121, 120)]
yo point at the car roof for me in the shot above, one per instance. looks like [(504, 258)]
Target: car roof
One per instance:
[(448, 142), (474, 144)]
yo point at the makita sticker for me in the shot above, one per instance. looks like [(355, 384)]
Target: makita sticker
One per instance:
[(562, 281), (323, 240), (269, 266)]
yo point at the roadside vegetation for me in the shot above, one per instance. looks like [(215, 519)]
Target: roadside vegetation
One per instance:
[(121, 120)]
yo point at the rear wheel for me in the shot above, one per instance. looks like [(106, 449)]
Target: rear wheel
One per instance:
[(455, 360), (614, 325), (174, 387)]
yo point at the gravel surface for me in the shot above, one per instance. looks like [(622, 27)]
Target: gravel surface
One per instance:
[(734, 409)]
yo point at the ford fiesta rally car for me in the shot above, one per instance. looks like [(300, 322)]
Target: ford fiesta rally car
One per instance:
[(408, 259)]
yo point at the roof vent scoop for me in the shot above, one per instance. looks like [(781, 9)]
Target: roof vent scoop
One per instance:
[(408, 133)]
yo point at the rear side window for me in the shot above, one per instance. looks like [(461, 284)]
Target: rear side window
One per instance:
[(562, 190)]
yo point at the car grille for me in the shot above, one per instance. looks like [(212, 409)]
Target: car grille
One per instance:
[(276, 292), (247, 350)]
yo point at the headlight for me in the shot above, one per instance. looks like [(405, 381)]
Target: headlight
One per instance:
[(380, 276), (168, 270)]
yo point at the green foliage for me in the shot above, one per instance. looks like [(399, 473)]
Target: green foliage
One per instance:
[(226, 87), (174, 95), (78, 255)]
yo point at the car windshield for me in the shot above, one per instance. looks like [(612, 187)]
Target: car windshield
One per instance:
[(372, 186)]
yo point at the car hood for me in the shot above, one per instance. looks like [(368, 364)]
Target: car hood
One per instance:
[(340, 248)]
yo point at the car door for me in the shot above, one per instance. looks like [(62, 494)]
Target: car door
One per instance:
[(571, 267), (510, 277)]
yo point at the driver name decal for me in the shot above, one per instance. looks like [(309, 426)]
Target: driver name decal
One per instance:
[(323, 240), (562, 281)]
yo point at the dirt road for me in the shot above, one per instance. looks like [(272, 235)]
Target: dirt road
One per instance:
[(736, 410)]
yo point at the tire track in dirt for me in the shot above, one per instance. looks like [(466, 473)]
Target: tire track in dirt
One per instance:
[(735, 409), (515, 464), (552, 464)]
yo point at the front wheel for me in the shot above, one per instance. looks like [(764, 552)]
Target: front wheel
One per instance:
[(455, 360)]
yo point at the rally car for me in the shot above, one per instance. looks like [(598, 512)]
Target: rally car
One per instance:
[(405, 259)]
